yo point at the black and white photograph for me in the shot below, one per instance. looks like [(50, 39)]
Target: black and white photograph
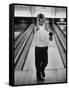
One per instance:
[(40, 44)]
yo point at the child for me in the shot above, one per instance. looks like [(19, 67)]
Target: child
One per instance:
[(41, 47)]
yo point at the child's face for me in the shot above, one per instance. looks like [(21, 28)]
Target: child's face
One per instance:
[(41, 22)]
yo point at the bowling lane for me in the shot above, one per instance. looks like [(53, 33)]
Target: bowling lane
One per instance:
[(54, 71), (54, 58)]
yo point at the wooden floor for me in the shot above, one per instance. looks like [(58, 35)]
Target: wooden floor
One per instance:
[(54, 72)]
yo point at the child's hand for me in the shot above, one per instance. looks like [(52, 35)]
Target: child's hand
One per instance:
[(37, 28)]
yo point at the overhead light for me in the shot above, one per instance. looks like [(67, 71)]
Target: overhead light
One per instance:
[(61, 19)]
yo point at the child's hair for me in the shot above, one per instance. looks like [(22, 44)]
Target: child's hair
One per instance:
[(39, 16)]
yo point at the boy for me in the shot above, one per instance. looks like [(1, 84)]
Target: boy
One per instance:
[(41, 47)]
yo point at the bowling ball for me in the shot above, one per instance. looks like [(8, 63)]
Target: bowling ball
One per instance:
[(50, 36)]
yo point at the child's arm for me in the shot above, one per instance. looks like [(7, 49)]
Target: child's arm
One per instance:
[(34, 28), (35, 34), (46, 26)]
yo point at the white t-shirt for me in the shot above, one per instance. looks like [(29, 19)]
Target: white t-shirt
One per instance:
[(41, 37)]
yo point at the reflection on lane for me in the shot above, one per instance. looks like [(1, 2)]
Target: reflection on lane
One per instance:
[(63, 28), (16, 34)]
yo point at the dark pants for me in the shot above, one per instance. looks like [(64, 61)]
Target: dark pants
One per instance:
[(41, 58)]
